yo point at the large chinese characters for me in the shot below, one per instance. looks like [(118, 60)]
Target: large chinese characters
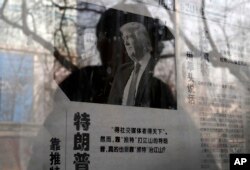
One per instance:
[(81, 141)]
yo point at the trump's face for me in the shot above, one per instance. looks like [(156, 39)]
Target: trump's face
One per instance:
[(135, 42), (130, 42)]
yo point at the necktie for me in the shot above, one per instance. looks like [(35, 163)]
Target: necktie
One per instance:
[(132, 88)]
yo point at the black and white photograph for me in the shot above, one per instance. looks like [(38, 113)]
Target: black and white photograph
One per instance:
[(137, 62)]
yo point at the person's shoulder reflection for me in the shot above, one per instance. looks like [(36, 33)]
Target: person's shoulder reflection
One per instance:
[(89, 84), (93, 83)]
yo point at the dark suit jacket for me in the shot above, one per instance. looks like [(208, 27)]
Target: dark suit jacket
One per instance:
[(151, 91)]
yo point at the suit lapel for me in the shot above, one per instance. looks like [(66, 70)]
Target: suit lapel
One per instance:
[(145, 81), (125, 74)]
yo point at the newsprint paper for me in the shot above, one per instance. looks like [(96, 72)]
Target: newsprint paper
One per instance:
[(151, 85)]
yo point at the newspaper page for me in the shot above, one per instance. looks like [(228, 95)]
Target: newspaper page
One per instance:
[(134, 84)]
